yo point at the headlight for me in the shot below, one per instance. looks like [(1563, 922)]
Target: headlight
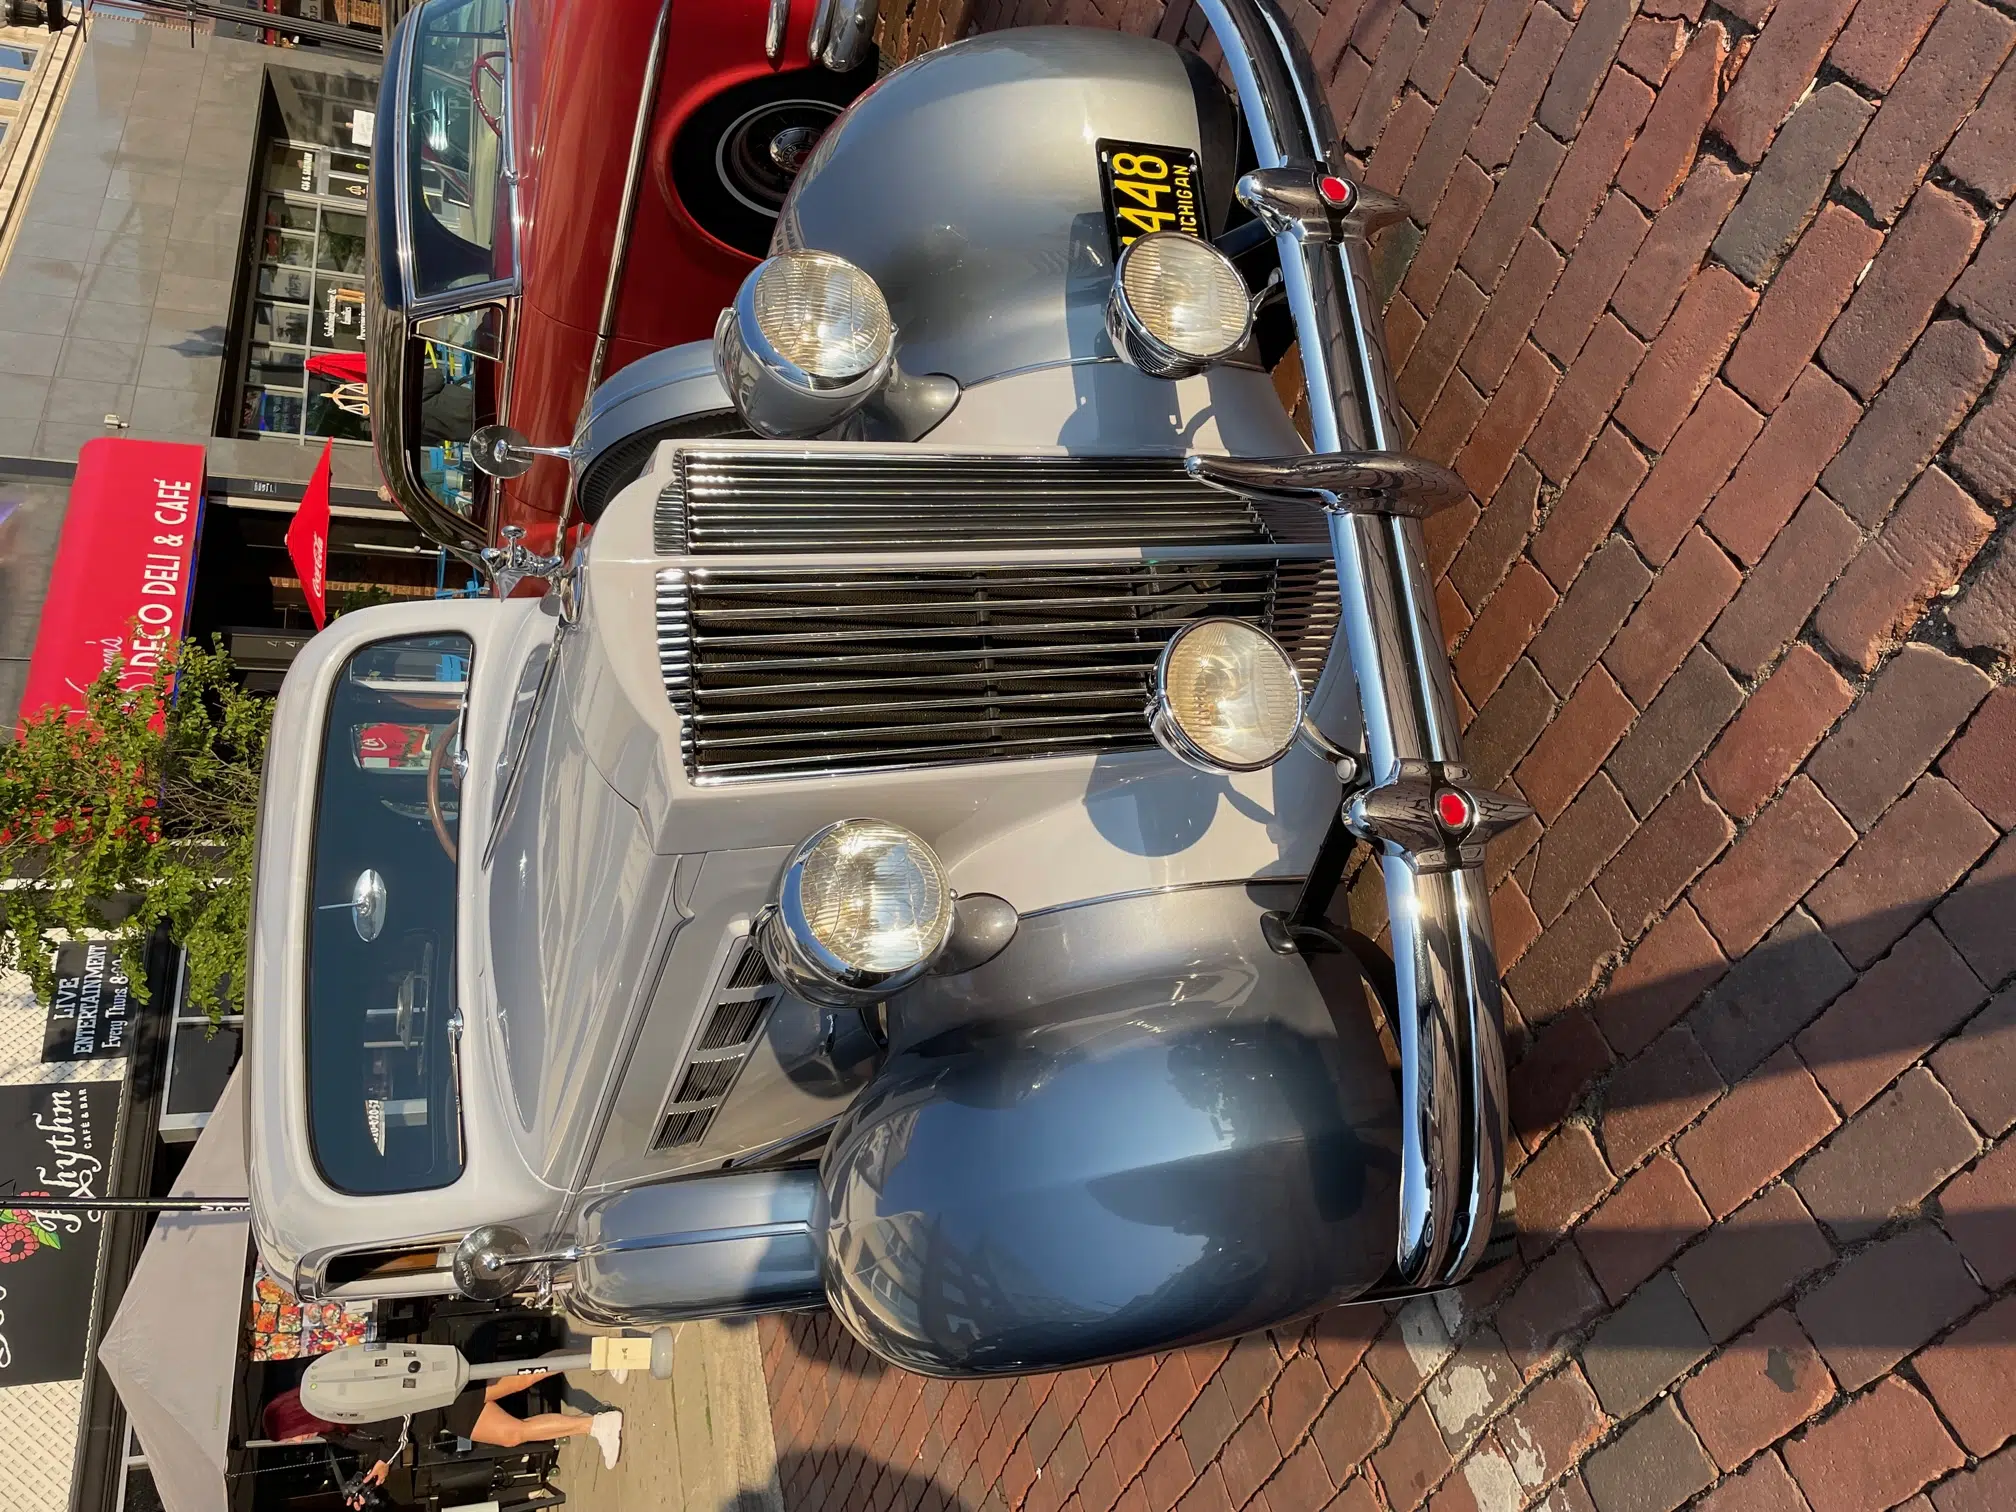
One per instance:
[(1227, 698), (807, 342), (863, 911), (1177, 306)]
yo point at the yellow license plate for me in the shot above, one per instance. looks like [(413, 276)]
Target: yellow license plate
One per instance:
[(1148, 187)]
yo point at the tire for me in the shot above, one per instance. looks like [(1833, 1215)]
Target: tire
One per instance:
[(722, 167)]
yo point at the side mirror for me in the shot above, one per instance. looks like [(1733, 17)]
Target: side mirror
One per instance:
[(503, 452), (490, 1263), (366, 906)]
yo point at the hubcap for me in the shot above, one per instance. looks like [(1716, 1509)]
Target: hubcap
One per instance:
[(762, 152)]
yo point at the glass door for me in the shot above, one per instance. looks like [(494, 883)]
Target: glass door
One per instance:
[(304, 360)]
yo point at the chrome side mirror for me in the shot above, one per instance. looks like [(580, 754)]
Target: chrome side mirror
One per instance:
[(490, 1263), (366, 906), (503, 452)]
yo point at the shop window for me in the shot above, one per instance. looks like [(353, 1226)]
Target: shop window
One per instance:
[(10, 89), (308, 302), (200, 1058), (140, 1493), (19, 58)]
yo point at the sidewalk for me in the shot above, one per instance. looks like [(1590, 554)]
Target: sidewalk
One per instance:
[(698, 1443)]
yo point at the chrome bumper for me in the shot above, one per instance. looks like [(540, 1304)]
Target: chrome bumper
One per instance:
[(1448, 1013)]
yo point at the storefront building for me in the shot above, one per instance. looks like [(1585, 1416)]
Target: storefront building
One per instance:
[(181, 260), (184, 262)]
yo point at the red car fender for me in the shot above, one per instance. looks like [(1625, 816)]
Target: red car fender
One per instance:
[(677, 277)]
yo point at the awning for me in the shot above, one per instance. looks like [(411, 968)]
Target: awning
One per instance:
[(172, 1348), (124, 567)]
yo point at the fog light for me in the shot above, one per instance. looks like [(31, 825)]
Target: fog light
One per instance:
[(1177, 306), (1226, 697), (807, 342), (863, 911)]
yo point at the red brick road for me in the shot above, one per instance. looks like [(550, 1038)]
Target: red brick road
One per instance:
[(1710, 312)]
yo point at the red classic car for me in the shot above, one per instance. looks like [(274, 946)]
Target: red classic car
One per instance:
[(558, 189)]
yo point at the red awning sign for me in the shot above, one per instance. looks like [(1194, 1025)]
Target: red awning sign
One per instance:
[(124, 568)]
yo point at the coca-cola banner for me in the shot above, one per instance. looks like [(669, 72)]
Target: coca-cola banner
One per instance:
[(54, 1142), (90, 1014)]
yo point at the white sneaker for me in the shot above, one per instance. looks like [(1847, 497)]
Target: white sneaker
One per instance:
[(606, 1428)]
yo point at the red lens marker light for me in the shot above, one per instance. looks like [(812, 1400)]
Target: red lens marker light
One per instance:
[(1335, 191), (1453, 809)]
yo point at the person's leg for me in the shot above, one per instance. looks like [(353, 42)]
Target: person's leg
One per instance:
[(496, 1426), (511, 1385)]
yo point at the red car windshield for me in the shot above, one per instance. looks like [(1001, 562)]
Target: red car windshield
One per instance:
[(455, 101)]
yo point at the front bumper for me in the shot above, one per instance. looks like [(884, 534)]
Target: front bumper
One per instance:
[(1449, 1008)]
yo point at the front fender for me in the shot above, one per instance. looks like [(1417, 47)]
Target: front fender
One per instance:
[(1197, 1147)]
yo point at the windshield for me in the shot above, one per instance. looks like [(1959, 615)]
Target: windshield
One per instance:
[(383, 1084), (458, 209)]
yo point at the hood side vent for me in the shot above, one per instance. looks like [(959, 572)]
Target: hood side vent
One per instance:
[(735, 1015)]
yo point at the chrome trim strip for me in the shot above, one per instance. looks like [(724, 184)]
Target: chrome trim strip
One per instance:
[(626, 216), (773, 31), (1448, 1016), (1091, 556), (626, 220), (1286, 880)]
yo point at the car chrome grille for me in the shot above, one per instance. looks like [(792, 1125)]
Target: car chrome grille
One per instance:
[(749, 500), (794, 667)]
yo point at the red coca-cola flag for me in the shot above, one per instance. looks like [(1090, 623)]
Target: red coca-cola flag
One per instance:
[(308, 540)]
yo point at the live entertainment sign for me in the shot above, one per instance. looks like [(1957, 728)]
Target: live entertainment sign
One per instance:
[(54, 1141), (89, 1017), (124, 568)]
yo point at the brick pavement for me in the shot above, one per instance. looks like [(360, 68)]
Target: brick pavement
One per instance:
[(1707, 300)]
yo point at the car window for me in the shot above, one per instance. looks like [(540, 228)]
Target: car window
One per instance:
[(459, 209), (384, 1108), (452, 391)]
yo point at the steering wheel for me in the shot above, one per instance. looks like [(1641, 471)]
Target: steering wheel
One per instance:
[(487, 64), (434, 765)]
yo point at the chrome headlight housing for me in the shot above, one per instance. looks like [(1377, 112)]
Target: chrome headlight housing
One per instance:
[(1226, 697), (1177, 305), (863, 911), (808, 341)]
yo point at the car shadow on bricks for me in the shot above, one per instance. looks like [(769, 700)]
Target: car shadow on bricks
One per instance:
[(844, 1479), (820, 1339), (1796, 1110), (1704, 1002)]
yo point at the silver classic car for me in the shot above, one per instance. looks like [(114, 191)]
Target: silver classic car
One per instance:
[(896, 866)]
